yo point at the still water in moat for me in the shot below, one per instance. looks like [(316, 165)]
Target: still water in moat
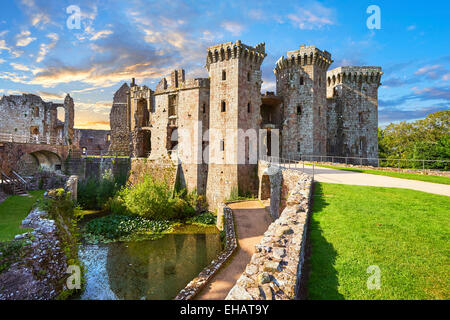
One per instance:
[(152, 270)]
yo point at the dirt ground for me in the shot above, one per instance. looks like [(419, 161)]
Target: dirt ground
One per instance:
[(251, 220)]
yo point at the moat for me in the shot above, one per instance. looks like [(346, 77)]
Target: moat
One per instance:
[(147, 270)]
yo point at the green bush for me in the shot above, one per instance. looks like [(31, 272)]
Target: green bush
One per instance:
[(156, 201), (206, 218)]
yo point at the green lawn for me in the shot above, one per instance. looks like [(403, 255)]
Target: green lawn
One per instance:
[(12, 211), (403, 232), (403, 175)]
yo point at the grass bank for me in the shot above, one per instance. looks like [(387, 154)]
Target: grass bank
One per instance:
[(403, 232), (12, 211), (403, 175)]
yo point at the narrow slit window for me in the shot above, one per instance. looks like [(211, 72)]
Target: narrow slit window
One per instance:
[(299, 110), (204, 108), (223, 107), (224, 75), (248, 76), (302, 81), (249, 108), (222, 145)]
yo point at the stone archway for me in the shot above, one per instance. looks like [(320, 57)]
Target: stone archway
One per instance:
[(30, 163)]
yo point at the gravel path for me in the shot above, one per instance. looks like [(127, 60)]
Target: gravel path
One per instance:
[(365, 179), (251, 220)]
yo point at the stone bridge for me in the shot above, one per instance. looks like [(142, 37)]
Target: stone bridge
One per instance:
[(27, 158)]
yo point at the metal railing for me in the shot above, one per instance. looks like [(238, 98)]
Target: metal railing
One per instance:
[(100, 154), (289, 163), (415, 164), (30, 139)]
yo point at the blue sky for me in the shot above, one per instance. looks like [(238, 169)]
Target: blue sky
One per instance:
[(119, 40)]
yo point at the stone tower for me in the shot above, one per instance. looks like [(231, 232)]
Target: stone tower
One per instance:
[(235, 100), (119, 120), (301, 82), (352, 94)]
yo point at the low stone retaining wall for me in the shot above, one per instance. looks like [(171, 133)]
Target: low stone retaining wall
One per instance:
[(274, 271), (41, 272), (198, 283)]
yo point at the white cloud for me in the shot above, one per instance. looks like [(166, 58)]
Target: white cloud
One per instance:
[(45, 48), (411, 27), (314, 16), (24, 39), (101, 34), (19, 67), (235, 28)]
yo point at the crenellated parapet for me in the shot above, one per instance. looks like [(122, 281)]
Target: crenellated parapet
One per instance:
[(237, 50), (140, 92), (306, 55), (354, 74)]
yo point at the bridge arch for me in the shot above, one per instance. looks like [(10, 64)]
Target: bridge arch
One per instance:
[(31, 162)]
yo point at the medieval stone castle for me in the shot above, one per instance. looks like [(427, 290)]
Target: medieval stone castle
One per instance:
[(225, 117), (218, 127)]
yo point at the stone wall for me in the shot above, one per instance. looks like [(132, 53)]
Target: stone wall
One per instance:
[(92, 140), (40, 274), (275, 270), (119, 120), (160, 170), (95, 167)]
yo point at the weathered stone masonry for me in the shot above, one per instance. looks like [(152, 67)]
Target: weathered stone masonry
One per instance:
[(317, 112), (274, 271)]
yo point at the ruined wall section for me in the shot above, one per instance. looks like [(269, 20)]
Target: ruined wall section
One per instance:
[(119, 120), (301, 81), (353, 111), (140, 106), (180, 119), (92, 140), (27, 115)]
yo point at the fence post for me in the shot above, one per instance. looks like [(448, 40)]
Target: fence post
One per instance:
[(423, 165), (399, 165)]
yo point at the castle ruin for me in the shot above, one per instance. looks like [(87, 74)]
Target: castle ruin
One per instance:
[(218, 127)]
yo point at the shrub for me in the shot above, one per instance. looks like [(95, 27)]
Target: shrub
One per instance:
[(206, 218), (154, 200)]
